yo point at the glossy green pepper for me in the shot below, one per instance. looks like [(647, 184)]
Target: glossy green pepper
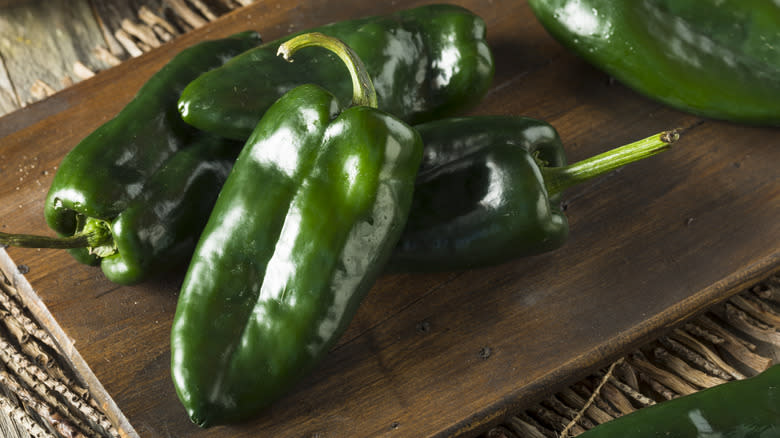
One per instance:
[(716, 58), (158, 230), (488, 191), (135, 193), (303, 226), (425, 62), (738, 409)]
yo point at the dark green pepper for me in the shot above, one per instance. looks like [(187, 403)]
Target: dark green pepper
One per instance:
[(717, 58), (738, 409), (134, 194), (488, 191), (158, 230), (303, 226), (425, 63)]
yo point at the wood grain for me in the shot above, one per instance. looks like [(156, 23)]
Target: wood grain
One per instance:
[(43, 43), (45, 48), (448, 353)]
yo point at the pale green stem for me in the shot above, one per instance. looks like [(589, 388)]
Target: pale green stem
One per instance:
[(558, 179), (96, 234), (363, 91)]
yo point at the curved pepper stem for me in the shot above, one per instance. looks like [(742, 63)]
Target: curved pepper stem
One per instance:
[(96, 235), (363, 91), (558, 179)]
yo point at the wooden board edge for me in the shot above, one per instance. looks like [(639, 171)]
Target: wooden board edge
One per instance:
[(612, 349), (67, 347)]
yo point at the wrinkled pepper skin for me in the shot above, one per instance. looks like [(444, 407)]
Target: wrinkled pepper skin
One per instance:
[(738, 409), (480, 198), (114, 170), (425, 63), (716, 58), (303, 226)]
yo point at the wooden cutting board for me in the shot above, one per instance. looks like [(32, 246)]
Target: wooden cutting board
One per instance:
[(446, 353)]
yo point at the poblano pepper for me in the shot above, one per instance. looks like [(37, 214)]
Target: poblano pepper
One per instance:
[(135, 193), (303, 226), (717, 58), (425, 63), (738, 409), (489, 187)]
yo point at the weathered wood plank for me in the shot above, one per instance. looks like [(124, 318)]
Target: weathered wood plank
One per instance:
[(44, 43), (50, 48), (9, 101)]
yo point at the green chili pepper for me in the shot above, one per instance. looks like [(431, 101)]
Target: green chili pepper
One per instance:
[(134, 194), (488, 191), (303, 226), (425, 63), (738, 409), (717, 58)]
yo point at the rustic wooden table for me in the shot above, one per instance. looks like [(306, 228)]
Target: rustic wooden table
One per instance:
[(450, 353)]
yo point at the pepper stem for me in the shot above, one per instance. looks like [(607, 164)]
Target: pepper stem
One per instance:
[(95, 235), (558, 179), (363, 91)]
